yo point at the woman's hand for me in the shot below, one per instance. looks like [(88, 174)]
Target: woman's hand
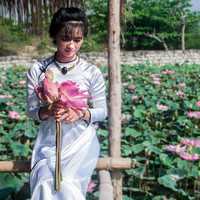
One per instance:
[(67, 114), (72, 115)]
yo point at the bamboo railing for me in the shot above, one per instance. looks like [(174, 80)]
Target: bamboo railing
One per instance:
[(102, 164)]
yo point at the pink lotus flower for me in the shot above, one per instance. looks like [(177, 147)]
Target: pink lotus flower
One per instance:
[(188, 156), (13, 115), (48, 92), (156, 82), (9, 103), (180, 94), (198, 103), (175, 148), (22, 82), (154, 75), (6, 96), (181, 85), (168, 72), (194, 114), (162, 107), (67, 93), (134, 98), (91, 186), (193, 142), (156, 78), (71, 96)]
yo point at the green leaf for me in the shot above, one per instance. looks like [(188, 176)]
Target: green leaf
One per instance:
[(6, 192), (166, 160), (20, 149), (132, 132), (168, 181), (139, 111), (137, 148)]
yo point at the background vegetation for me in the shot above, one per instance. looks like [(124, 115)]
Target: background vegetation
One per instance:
[(156, 107), (156, 101), (145, 24)]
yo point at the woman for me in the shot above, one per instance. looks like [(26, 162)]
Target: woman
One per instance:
[(80, 147)]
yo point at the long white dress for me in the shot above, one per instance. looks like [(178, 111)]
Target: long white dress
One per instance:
[(80, 146)]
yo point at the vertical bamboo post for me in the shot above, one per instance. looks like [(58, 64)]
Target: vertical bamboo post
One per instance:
[(115, 92), (105, 187)]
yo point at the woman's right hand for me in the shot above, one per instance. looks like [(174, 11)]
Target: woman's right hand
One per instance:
[(59, 111)]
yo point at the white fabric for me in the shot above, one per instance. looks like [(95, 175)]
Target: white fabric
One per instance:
[(80, 146)]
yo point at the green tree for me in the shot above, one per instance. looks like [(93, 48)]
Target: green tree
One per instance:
[(158, 24)]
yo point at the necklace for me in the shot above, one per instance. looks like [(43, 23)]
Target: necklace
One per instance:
[(70, 66)]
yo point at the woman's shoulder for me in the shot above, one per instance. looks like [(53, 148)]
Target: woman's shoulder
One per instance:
[(88, 66), (41, 64)]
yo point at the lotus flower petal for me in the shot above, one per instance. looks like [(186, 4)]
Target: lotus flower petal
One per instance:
[(91, 186), (194, 114), (168, 71), (192, 142), (50, 90), (13, 115), (198, 103), (175, 148), (72, 96), (190, 157)]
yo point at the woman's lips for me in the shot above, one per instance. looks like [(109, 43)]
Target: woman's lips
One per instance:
[(69, 50)]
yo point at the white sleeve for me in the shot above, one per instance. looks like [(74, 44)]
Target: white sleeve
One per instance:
[(33, 103), (98, 97)]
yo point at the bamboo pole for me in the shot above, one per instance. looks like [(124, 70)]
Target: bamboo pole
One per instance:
[(102, 164), (105, 187), (58, 157), (115, 92)]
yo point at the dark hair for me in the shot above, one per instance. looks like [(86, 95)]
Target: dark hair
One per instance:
[(61, 19)]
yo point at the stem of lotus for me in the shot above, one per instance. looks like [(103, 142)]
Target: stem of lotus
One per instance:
[(58, 157)]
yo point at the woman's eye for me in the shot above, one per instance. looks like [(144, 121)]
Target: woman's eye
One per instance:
[(65, 39), (77, 41)]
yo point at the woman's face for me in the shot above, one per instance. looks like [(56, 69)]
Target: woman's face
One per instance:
[(68, 46)]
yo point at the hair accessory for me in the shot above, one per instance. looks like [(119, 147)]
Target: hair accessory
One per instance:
[(74, 22)]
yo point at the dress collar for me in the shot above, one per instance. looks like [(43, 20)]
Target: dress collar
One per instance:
[(64, 67)]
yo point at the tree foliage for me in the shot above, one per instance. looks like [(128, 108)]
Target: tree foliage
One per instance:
[(145, 24), (157, 24)]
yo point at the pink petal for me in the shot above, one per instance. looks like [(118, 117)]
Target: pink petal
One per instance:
[(13, 115), (175, 148), (162, 107), (50, 89), (192, 142), (194, 114), (198, 103), (167, 71), (190, 157), (91, 186), (72, 96)]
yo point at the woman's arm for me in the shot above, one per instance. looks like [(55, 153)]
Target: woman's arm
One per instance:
[(98, 112), (34, 109)]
